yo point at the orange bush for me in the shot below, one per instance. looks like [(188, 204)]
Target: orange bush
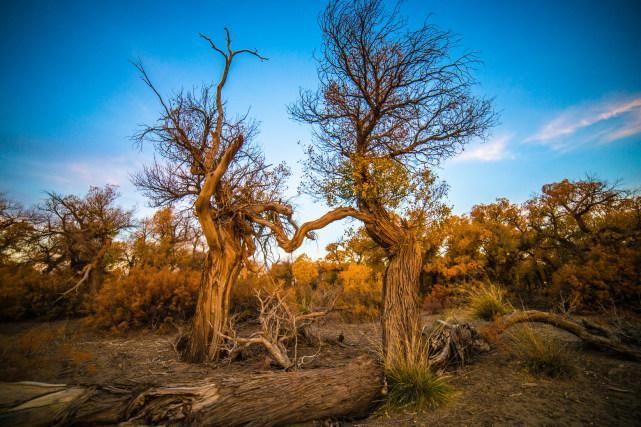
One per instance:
[(441, 297), (243, 294), (146, 297), (28, 293), (362, 292), (602, 279)]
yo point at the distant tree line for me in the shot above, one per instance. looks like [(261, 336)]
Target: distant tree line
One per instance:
[(577, 244)]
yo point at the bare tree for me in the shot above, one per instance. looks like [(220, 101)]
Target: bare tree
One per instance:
[(391, 103), (16, 229), (78, 232), (210, 162)]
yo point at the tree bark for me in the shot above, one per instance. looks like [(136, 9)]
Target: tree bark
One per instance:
[(212, 309), (609, 342), (252, 400), (401, 314)]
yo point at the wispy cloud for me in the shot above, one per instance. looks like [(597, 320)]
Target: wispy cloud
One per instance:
[(91, 171), (603, 121), (491, 151)]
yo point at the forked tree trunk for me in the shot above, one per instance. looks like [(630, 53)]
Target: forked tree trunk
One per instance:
[(257, 400), (401, 314), (212, 309)]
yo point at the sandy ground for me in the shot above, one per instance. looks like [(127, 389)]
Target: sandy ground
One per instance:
[(494, 389)]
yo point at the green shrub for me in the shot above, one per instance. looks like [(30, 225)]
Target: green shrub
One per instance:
[(413, 384), (416, 387), (488, 301)]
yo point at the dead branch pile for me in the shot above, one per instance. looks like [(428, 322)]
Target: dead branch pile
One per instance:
[(280, 327), (451, 341)]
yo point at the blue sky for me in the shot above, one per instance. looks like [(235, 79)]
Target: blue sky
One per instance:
[(565, 75)]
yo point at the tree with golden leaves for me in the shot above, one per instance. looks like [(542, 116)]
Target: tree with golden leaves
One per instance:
[(391, 103)]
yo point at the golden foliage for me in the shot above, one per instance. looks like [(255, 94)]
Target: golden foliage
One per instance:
[(362, 292), (304, 270), (28, 293), (146, 297), (442, 297), (577, 243)]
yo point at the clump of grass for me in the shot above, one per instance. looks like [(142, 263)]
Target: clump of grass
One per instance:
[(416, 387), (541, 355), (488, 301), (412, 384)]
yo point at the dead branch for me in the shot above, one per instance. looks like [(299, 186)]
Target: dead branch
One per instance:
[(290, 244), (589, 333), (279, 326), (86, 271), (451, 341)]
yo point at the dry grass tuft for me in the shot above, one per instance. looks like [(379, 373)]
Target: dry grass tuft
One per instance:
[(488, 301), (541, 354)]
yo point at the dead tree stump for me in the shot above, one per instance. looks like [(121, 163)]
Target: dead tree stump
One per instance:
[(451, 341)]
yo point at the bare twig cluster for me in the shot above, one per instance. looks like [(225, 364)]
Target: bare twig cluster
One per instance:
[(280, 327)]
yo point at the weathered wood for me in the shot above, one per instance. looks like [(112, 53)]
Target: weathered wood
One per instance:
[(400, 319), (451, 341), (258, 400), (609, 342), (212, 308)]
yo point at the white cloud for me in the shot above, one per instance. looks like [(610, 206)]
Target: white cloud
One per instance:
[(491, 151), (603, 121), (90, 171)]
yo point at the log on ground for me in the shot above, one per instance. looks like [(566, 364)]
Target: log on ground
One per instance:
[(605, 340), (272, 398)]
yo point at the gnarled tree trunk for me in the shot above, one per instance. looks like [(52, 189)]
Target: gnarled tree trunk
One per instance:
[(401, 314), (256, 400), (212, 309)]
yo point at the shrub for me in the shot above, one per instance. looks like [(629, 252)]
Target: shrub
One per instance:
[(441, 297), (605, 278), (488, 301), (243, 294), (146, 297), (27, 293), (362, 292), (304, 271), (542, 355), (413, 384)]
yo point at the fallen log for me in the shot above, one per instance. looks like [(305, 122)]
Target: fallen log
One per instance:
[(267, 399), (604, 340)]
